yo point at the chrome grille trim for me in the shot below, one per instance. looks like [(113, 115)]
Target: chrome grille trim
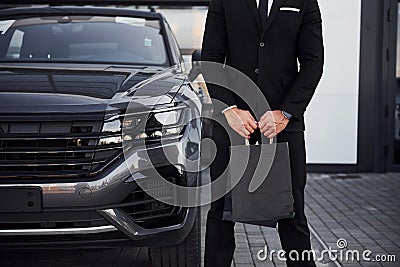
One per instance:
[(63, 231), (50, 149)]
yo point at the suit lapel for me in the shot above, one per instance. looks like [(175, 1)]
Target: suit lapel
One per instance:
[(272, 14), (252, 5)]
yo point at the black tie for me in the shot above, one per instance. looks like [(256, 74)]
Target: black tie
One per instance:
[(263, 11)]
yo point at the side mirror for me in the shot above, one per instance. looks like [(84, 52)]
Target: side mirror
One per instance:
[(196, 55)]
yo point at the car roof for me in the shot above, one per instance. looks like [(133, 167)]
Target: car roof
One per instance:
[(35, 11)]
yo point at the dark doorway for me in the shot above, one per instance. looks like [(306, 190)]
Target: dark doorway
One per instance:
[(379, 99), (396, 147), (393, 115)]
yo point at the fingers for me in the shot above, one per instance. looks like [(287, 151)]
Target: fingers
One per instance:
[(270, 132), (250, 120), (267, 128), (245, 123), (263, 125), (248, 127), (278, 128), (238, 127), (266, 119), (242, 122), (271, 124), (242, 131), (266, 125)]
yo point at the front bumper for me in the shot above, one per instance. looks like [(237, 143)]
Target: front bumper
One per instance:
[(128, 233), (100, 205)]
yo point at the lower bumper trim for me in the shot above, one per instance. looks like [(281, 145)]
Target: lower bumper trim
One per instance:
[(62, 231), (125, 224)]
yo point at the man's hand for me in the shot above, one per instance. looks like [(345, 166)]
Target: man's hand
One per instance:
[(241, 121), (272, 123)]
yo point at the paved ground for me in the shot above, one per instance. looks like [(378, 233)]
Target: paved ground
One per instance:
[(363, 211)]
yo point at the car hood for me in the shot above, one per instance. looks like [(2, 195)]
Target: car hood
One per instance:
[(57, 89)]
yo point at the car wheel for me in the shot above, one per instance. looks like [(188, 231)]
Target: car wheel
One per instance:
[(185, 254)]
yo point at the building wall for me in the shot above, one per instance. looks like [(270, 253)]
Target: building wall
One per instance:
[(332, 117)]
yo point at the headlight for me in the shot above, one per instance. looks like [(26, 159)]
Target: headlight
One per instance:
[(159, 123), (149, 125), (113, 126)]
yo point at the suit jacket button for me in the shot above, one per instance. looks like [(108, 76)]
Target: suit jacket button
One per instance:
[(262, 44), (257, 71)]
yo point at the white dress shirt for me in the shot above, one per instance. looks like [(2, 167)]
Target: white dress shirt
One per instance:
[(270, 2)]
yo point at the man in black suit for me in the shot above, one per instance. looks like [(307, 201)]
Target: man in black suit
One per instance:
[(279, 45)]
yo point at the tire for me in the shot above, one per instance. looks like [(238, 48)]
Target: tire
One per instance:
[(185, 254)]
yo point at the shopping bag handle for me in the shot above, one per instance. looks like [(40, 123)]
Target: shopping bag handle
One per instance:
[(247, 141), (256, 183)]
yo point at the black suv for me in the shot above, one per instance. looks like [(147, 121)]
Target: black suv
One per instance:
[(67, 77)]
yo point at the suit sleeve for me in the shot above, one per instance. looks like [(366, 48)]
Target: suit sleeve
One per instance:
[(214, 49), (310, 53)]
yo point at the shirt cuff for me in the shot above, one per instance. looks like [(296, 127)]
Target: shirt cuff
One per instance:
[(287, 115), (228, 108)]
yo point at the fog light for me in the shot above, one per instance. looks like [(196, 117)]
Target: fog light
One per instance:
[(110, 140)]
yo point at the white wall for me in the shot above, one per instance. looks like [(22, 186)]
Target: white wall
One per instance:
[(331, 119), (187, 25)]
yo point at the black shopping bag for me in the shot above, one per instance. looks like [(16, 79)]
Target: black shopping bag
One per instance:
[(261, 194)]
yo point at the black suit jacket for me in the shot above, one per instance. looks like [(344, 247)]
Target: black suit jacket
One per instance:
[(269, 55)]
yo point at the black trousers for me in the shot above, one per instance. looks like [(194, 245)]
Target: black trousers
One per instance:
[(293, 233)]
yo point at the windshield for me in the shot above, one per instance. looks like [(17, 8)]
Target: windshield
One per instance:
[(83, 39)]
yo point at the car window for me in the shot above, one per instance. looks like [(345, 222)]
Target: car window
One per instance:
[(124, 40), (175, 47)]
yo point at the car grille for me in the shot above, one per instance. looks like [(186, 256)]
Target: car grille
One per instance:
[(148, 211), (51, 220), (49, 149)]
